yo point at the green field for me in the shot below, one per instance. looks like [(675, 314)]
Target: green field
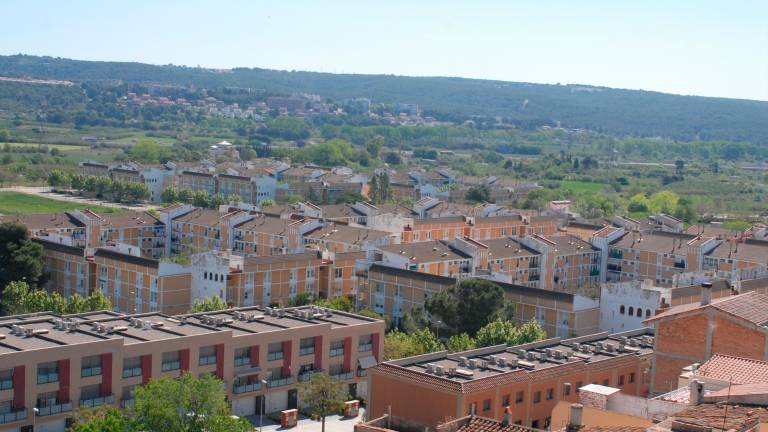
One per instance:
[(20, 203), (61, 147), (582, 187)]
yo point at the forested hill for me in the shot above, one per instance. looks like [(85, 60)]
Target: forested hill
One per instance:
[(614, 111)]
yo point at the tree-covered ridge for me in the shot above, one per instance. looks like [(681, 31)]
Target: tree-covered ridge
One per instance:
[(614, 111)]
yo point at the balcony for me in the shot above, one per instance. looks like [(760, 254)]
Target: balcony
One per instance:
[(90, 371), (362, 372), (97, 401), (279, 382), (13, 416), (45, 378), (305, 351), (242, 361), (275, 356), (246, 388), (307, 375), (343, 376), (132, 372), (126, 403), (337, 352), (6, 385), (365, 347), (54, 409), (171, 366), (207, 360)]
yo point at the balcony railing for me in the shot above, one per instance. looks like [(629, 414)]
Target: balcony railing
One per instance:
[(131, 372), (127, 403), (365, 347), (6, 384), (307, 375), (171, 366), (246, 388), (275, 356), (343, 376), (242, 361), (45, 378), (97, 401), (54, 409), (90, 371), (337, 352), (306, 351), (13, 416), (207, 360), (279, 382), (362, 372)]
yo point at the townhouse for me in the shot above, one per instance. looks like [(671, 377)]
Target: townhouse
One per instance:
[(530, 379), (52, 365)]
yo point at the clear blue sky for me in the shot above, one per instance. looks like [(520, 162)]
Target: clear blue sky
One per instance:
[(711, 48)]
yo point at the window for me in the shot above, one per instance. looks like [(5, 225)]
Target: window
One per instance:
[(621, 380), (631, 311), (207, 355), (639, 312), (550, 394), (647, 313), (505, 400), (536, 397), (487, 405), (307, 346), (275, 351), (91, 366), (519, 397), (48, 372), (131, 367), (242, 356), (171, 361), (621, 309), (606, 382), (6, 379), (339, 273), (579, 384), (535, 424), (337, 348), (365, 343), (567, 389), (631, 378)]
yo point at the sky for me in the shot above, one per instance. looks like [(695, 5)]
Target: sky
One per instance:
[(693, 47)]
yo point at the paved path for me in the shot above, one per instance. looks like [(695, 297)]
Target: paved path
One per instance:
[(332, 424), (45, 192)]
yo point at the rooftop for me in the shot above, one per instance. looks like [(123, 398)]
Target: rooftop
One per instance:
[(506, 248), (713, 417), (42, 221), (346, 234), (750, 250), (751, 307), (736, 370), (656, 241), (425, 252)]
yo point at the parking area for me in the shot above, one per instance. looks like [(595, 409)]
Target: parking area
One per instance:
[(333, 423)]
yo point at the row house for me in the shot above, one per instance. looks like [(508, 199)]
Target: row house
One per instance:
[(524, 382), (51, 365), (656, 255), (480, 228)]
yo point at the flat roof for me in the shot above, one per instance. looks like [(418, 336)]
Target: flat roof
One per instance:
[(424, 252)]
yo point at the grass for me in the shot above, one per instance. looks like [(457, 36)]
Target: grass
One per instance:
[(20, 203), (582, 187), (61, 147)]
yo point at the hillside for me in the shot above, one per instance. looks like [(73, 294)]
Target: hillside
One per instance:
[(614, 111)]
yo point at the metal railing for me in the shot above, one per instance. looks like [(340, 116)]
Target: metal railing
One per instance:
[(278, 382), (362, 373), (307, 375), (171, 366), (126, 403), (45, 378), (246, 388), (54, 409), (343, 375), (131, 372), (90, 371), (97, 401), (13, 416), (242, 361)]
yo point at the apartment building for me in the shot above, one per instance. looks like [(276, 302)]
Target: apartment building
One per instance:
[(656, 255), (51, 365), (733, 325), (738, 259), (504, 259), (45, 224), (96, 169), (567, 263), (530, 379), (202, 230), (197, 181), (155, 177), (338, 237), (268, 235), (433, 257), (252, 184), (447, 229), (67, 269), (140, 229)]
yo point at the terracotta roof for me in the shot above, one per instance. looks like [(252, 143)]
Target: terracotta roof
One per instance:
[(482, 424), (425, 252), (737, 370), (751, 307), (346, 234), (612, 429), (739, 418)]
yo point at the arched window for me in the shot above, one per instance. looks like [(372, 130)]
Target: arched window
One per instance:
[(647, 313), (621, 310), (631, 311), (205, 275), (639, 312)]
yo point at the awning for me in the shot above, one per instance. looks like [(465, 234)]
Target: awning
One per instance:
[(240, 372), (367, 362)]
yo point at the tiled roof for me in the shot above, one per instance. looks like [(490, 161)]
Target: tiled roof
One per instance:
[(616, 428), (714, 416), (482, 424), (737, 370), (751, 307)]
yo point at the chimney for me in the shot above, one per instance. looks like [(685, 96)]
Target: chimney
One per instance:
[(507, 416), (706, 293), (696, 389), (574, 423)]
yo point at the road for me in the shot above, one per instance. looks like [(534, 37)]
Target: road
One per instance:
[(333, 423), (45, 192)]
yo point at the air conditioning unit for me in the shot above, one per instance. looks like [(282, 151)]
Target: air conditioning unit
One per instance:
[(430, 368), (28, 332), (576, 346), (521, 353), (462, 361), (472, 363), (501, 361), (439, 370)]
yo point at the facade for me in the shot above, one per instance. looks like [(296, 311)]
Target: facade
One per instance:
[(531, 379), (57, 364)]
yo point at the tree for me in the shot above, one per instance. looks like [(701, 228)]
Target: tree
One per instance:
[(478, 194), (505, 332), (679, 167), (21, 259), (13, 298), (234, 198), (460, 342), (59, 179), (186, 196), (169, 195), (266, 202), (638, 203), (208, 305), (663, 202), (102, 419), (19, 298), (146, 150), (374, 145), (324, 396), (399, 344), (201, 199), (467, 306), (393, 158), (184, 404), (217, 200)]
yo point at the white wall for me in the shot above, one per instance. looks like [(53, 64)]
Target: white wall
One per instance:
[(628, 294), (204, 287)]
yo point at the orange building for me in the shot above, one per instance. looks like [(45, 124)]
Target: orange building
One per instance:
[(530, 379)]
